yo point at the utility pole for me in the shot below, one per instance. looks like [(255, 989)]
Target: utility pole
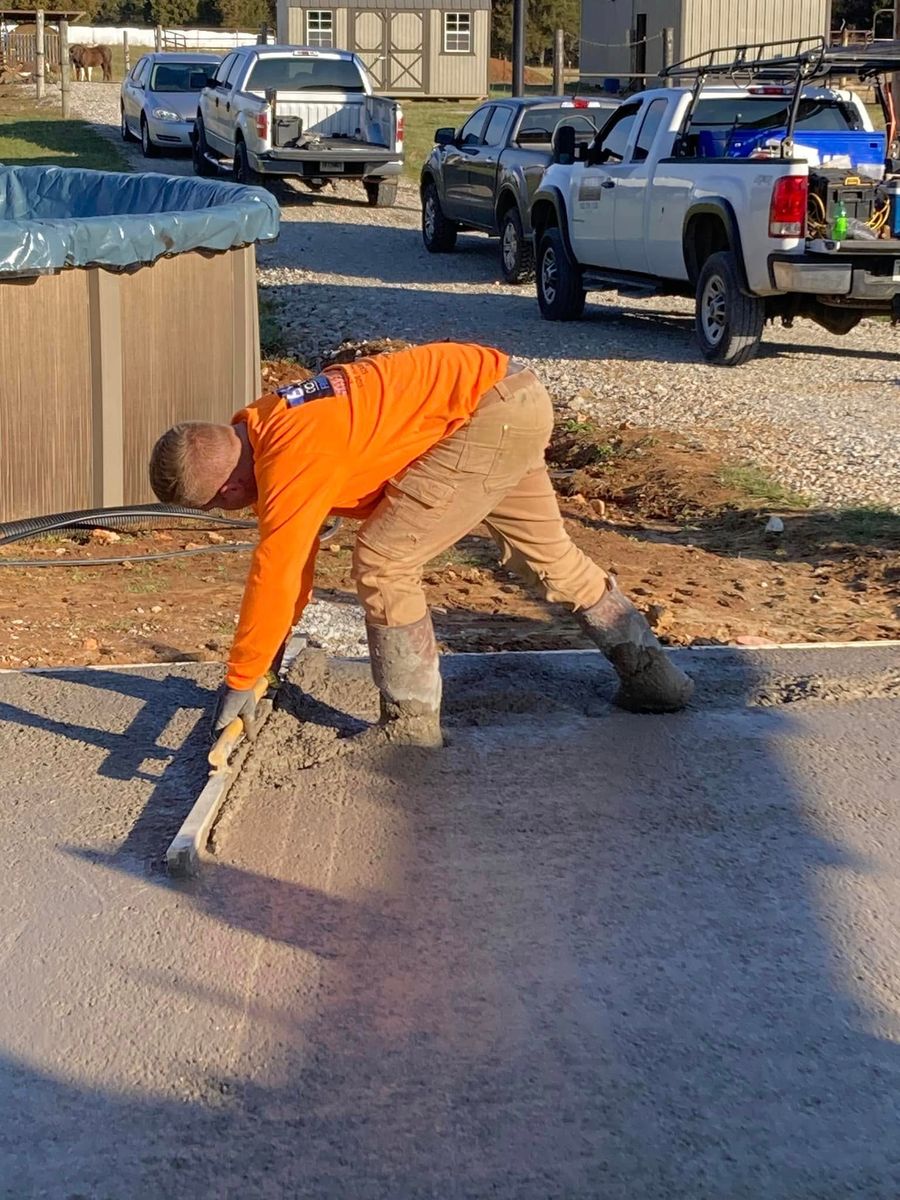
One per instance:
[(518, 48)]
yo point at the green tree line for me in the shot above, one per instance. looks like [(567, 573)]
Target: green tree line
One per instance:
[(544, 18), (229, 14)]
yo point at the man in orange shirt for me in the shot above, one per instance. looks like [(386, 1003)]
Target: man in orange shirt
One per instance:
[(423, 446)]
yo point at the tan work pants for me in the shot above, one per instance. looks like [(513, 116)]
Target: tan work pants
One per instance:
[(491, 470)]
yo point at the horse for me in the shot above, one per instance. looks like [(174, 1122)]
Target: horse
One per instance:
[(85, 58)]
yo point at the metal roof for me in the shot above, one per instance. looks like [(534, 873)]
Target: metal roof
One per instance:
[(399, 5)]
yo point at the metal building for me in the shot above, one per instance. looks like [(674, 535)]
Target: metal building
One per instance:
[(626, 36), (438, 48)]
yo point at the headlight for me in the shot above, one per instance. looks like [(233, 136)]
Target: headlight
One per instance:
[(165, 114)]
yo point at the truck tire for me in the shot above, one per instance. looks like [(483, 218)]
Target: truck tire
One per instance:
[(560, 293), (516, 251), (729, 323), (242, 171), (200, 150), (381, 195), (438, 234)]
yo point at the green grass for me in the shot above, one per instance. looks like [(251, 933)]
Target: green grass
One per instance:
[(36, 136), (868, 523), (423, 117), (759, 488)]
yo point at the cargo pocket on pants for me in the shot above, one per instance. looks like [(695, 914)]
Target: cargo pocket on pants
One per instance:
[(407, 517)]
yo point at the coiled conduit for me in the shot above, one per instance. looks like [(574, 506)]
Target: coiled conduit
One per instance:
[(125, 517)]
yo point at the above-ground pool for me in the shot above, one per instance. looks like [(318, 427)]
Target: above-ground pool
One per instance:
[(127, 303)]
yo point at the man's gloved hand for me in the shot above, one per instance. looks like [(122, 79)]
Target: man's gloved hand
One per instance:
[(235, 702)]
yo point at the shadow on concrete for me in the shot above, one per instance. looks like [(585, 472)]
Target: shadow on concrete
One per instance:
[(601, 956)]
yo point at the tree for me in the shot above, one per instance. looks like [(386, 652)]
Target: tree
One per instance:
[(856, 14), (543, 19), (246, 14), (172, 12)]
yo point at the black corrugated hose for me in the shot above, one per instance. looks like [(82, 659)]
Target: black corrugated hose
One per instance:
[(124, 517)]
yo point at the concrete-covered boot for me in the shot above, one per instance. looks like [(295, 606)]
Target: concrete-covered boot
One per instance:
[(650, 680), (407, 673)]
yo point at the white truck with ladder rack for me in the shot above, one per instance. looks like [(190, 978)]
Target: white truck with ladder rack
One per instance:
[(770, 198), (293, 111)]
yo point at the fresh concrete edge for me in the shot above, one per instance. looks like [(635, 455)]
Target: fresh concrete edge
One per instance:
[(300, 644), (187, 849)]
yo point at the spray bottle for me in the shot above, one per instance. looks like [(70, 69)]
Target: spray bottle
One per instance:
[(839, 225)]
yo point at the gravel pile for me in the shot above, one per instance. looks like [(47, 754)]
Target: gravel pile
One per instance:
[(821, 413)]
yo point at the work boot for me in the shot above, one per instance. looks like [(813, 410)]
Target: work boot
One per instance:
[(650, 680), (405, 668)]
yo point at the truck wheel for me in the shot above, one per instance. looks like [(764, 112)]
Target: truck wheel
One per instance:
[(559, 288), (199, 152), (438, 234), (516, 251), (242, 171), (381, 195), (729, 323)]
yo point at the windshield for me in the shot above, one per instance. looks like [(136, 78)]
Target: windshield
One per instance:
[(538, 124), (305, 75), (771, 112), (180, 77)]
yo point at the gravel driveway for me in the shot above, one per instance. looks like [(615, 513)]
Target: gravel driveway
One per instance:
[(821, 413)]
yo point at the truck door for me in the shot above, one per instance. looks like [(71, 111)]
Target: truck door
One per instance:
[(593, 198), (633, 193), (215, 106), (457, 160), (483, 167)]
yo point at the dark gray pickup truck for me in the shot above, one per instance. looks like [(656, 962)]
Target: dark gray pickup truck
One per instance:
[(482, 177)]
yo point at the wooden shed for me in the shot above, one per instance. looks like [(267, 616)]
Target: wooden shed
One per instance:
[(416, 48), (621, 37)]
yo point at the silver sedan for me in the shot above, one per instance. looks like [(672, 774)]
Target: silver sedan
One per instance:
[(159, 99)]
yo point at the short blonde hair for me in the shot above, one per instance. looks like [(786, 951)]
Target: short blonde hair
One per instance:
[(188, 465)]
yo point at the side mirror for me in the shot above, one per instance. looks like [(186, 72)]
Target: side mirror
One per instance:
[(211, 81), (564, 144), (445, 137)]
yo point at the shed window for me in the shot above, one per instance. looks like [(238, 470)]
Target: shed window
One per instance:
[(457, 33), (320, 27)]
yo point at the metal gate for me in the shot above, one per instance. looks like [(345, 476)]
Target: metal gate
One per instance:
[(392, 45)]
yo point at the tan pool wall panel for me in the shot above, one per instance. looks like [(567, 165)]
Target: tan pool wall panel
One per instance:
[(96, 364)]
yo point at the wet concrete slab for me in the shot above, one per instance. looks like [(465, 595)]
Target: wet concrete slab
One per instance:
[(576, 953)]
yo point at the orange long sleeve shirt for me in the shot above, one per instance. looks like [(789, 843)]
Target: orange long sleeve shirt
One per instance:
[(319, 450)]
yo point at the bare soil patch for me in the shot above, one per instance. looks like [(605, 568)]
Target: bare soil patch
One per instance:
[(669, 515)]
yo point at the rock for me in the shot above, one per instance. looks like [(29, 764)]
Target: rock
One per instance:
[(156, 608), (105, 537), (599, 507), (91, 645), (774, 525), (217, 539), (751, 639)]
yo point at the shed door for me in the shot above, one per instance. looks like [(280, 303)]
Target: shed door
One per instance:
[(392, 45)]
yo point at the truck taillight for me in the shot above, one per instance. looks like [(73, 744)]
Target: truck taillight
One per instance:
[(400, 129), (787, 212), (262, 125)]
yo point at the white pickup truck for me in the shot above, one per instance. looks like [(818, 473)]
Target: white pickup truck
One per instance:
[(294, 111), (763, 201)]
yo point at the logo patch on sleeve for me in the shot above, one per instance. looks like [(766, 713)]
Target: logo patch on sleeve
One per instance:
[(316, 388)]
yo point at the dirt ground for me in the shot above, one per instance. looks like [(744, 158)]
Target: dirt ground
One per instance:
[(678, 525)]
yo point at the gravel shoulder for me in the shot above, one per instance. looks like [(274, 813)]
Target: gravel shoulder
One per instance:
[(822, 414)]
